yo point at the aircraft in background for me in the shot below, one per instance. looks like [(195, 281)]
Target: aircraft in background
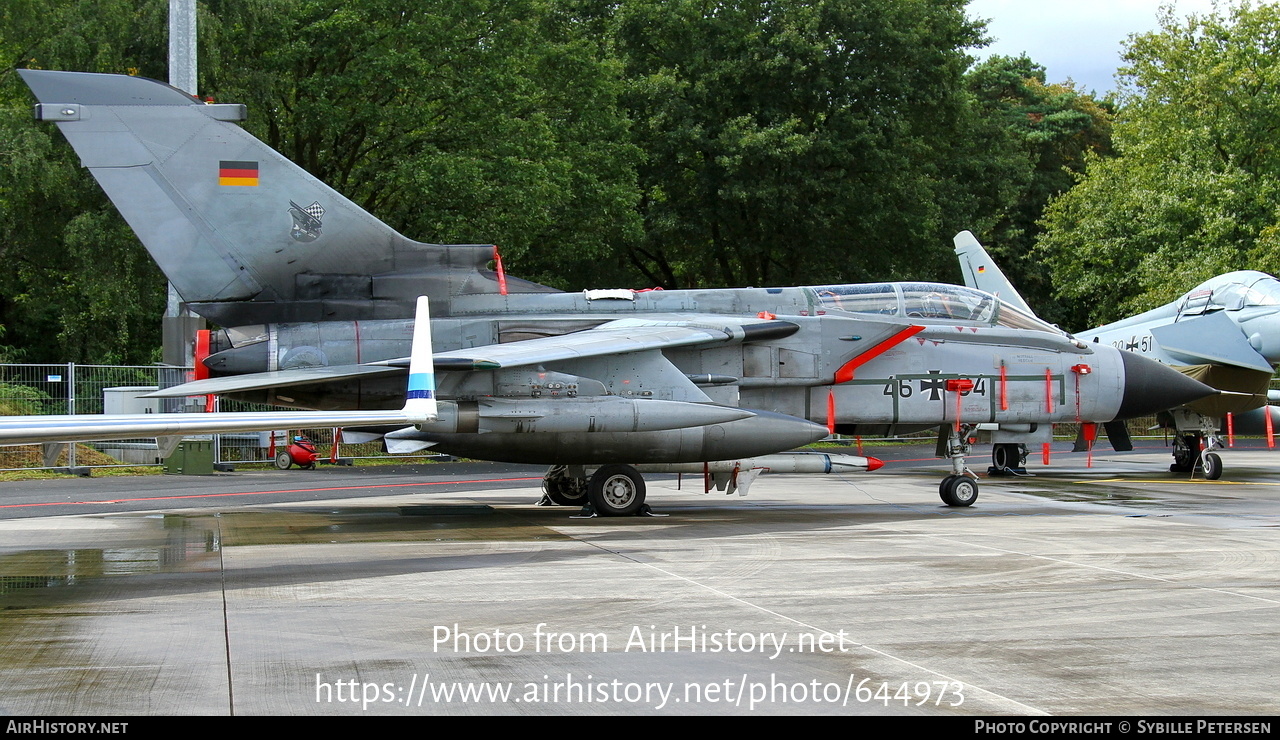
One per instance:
[(313, 293), (1224, 332)]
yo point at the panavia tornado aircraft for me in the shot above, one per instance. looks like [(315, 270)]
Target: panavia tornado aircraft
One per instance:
[(1225, 332), (315, 295)]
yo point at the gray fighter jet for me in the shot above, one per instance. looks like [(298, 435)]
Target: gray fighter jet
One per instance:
[(315, 294), (1224, 332)]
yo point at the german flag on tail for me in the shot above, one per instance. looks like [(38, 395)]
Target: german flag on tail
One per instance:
[(238, 173)]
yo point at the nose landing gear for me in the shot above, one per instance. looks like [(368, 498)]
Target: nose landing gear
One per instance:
[(961, 487), (1195, 450)]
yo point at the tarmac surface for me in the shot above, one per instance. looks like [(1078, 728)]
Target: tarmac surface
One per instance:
[(1116, 589)]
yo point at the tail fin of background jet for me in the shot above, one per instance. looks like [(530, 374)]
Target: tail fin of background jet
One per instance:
[(244, 234), (981, 272)]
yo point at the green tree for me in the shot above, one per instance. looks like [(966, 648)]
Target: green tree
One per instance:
[(461, 121), (1044, 131), (77, 285), (677, 143), (471, 121), (794, 141), (1194, 190)]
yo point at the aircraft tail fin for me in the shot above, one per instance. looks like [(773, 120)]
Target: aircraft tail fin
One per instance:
[(981, 272), (228, 219)]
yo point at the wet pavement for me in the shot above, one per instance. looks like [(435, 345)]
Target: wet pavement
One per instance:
[(1113, 589)]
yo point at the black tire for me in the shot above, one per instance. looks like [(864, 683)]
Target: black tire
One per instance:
[(308, 466), (283, 460), (1006, 456), (563, 490), (943, 485), (616, 490), (564, 497), (1212, 466), (1185, 457), (959, 490)]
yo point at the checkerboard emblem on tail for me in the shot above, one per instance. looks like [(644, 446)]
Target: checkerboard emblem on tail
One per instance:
[(306, 221)]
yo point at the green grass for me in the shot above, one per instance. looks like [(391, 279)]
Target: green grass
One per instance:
[(105, 472)]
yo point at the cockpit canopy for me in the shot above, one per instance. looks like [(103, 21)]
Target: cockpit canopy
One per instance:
[(927, 301), (1231, 291)]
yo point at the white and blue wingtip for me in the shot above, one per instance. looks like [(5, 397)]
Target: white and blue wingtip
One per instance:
[(420, 397)]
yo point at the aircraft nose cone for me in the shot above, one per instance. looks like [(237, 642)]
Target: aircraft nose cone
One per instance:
[(1150, 386)]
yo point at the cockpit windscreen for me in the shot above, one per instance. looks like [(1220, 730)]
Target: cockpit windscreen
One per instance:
[(927, 301)]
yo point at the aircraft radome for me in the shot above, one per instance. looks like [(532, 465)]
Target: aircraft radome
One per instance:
[(316, 296), (1224, 332)]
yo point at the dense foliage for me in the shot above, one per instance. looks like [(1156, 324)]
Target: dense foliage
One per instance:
[(1046, 132), (794, 142), (637, 142), (1196, 189)]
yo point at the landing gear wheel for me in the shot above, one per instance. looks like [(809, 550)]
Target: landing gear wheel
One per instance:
[(1008, 459), (1008, 455), (616, 490), (564, 490), (1185, 449), (283, 460), (566, 495), (958, 490), (1212, 466)]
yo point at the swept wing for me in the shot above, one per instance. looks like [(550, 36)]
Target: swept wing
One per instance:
[(419, 408)]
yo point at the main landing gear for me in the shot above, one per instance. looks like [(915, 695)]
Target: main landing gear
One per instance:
[(612, 490), (1008, 459), (561, 488), (1190, 450), (961, 487)]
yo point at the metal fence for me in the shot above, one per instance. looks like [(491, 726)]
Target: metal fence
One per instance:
[(95, 389)]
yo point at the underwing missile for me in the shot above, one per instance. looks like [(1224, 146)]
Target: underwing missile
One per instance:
[(797, 462)]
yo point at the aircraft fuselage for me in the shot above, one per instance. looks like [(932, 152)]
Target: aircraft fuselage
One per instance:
[(908, 357)]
